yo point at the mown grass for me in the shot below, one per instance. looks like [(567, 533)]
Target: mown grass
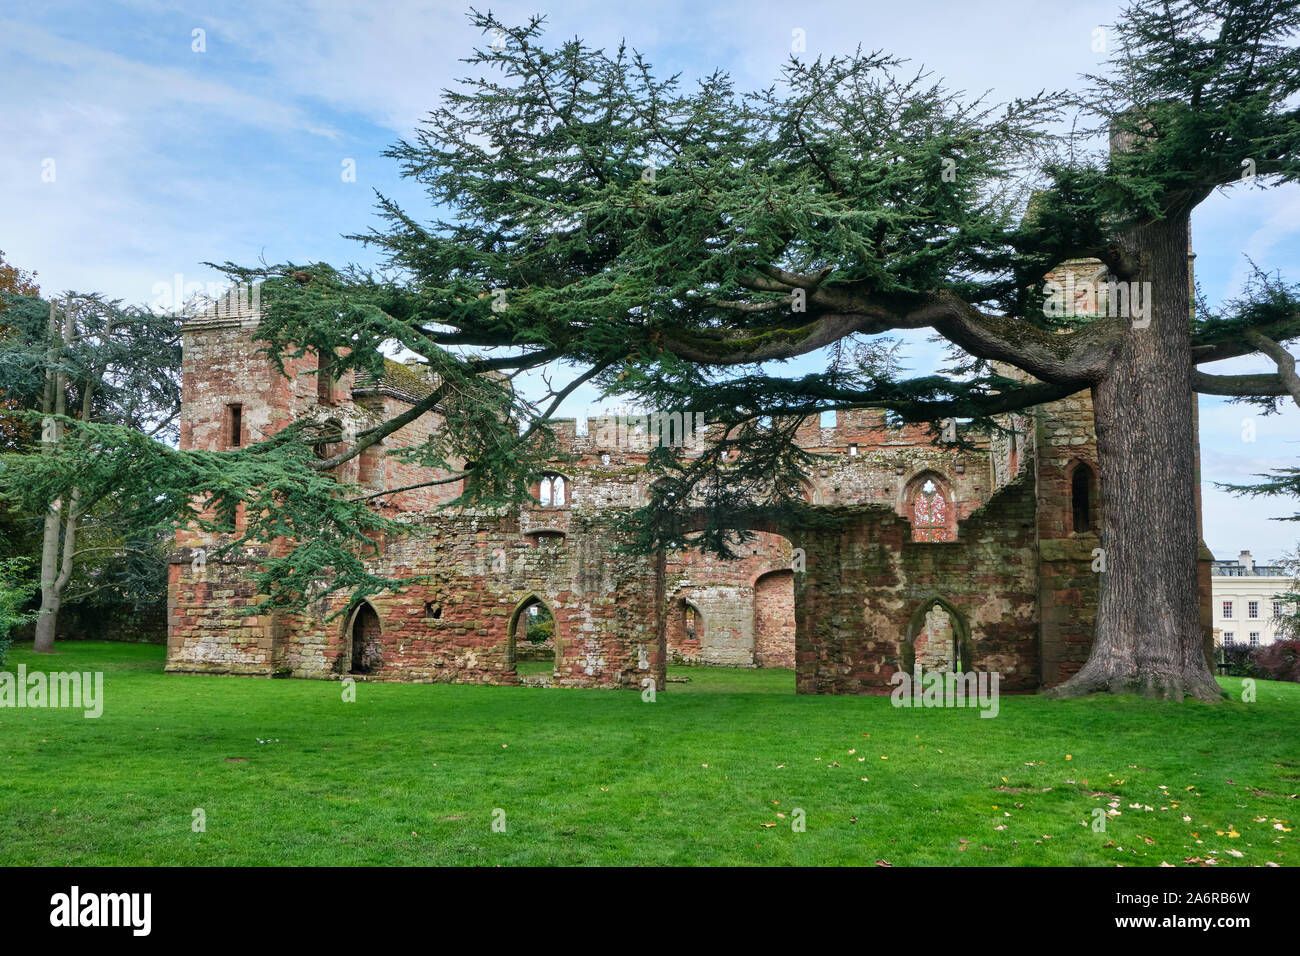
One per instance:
[(412, 774)]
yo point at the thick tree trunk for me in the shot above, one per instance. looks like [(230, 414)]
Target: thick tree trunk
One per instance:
[(54, 403), (1148, 637), (53, 586), (47, 620), (64, 514)]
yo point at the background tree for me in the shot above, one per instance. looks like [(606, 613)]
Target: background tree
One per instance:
[(16, 281), (86, 359), (13, 281), (16, 585)]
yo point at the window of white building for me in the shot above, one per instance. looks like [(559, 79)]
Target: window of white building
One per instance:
[(1254, 638), (1228, 637), (1252, 609), (1227, 609)]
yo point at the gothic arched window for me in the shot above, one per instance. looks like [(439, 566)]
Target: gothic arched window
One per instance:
[(552, 491), (931, 513)]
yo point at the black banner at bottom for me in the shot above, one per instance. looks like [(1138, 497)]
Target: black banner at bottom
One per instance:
[(334, 906)]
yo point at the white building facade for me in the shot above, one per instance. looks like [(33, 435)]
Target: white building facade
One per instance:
[(1247, 601)]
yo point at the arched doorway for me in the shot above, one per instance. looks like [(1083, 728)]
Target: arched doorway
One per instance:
[(774, 619), (365, 640), (532, 639), (683, 630), (937, 639)]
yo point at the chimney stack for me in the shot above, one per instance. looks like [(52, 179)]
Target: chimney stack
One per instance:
[(1247, 562)]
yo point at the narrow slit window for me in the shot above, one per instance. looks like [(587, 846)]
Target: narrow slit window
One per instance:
[(324, 382), (1081, 495), (236, 426)]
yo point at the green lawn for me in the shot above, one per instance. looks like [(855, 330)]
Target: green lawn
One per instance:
[(411, 774), (534, 667)]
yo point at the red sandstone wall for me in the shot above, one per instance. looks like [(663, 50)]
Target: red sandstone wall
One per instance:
[(617, 618), (475, 573), (1068, 586), (774, 630), (724, 593), (866, 582)]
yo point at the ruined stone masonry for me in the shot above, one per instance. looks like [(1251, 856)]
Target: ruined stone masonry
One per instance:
[(959, 559)]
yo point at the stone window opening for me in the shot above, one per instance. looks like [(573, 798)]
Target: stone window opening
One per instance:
[(548, 540), (692, 615), (235, 424), (931, 510), (1083, 505), (552, 492), (433, 610)]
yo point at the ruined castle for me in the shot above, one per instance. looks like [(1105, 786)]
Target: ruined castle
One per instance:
[(966, 558)]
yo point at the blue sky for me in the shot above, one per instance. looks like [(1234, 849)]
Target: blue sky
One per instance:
[(164, 157)]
